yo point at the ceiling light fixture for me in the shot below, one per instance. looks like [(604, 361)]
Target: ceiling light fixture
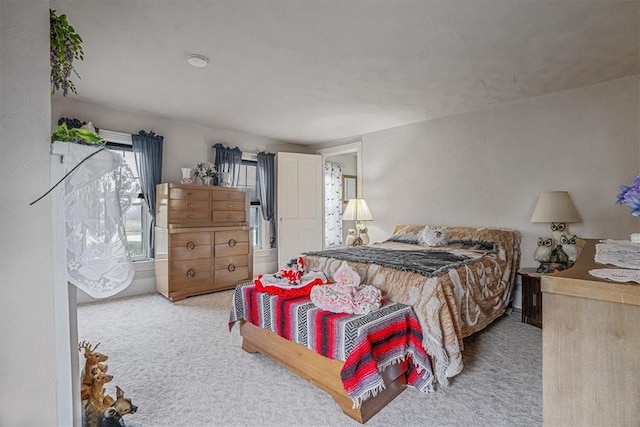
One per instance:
[(198, 61)]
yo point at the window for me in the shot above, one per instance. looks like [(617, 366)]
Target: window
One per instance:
[(249, 181), (136, 218)]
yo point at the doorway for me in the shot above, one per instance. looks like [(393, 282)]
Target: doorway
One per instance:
[(342, 166)]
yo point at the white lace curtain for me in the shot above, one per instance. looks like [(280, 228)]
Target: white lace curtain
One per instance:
[(333, 204), (95, 197)]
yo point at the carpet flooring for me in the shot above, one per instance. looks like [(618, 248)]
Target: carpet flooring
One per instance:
[(181, 367)]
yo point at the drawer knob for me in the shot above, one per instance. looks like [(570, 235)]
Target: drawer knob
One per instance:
[(191, 272), (190, 216), (191, 246), (231, 267), (229, 206), (229, 216), (232, 242), (189, 193), (190, 205)]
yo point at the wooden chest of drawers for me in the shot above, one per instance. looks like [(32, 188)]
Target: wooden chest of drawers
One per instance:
[(202, 239)]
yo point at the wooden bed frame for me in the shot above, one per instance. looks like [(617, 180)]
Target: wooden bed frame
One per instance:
[(321, 371)]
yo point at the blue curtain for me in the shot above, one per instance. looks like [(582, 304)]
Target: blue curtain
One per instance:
[(147, 148), (267, 191), (228, 160)]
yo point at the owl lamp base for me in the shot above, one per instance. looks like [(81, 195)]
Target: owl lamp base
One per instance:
[(362, 232)]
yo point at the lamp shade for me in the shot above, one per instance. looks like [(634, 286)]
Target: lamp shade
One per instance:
[(357, 210), (555, 206)]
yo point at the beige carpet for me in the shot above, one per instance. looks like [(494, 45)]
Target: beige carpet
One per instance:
[(181, 366)]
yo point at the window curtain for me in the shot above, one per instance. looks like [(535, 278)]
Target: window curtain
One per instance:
[(333, 204), (267, 192), (228, 160), (89, 207), (147, 148)]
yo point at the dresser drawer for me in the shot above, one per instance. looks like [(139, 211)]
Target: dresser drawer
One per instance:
[(238, 274), (187, 204), (189, 273), (229, 243), (229, 216), (228, 206), (190, 246), (225, 249), (189, 216), (227, 236), (237, 196), (188, 194), (231, 262)]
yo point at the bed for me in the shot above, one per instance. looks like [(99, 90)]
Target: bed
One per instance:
[(454, 299), (453, 288)]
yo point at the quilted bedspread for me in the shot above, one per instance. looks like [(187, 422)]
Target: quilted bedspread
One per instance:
[(366, 343), (451, 302)]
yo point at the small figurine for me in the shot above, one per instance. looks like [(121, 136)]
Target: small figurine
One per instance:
[(351, 237)]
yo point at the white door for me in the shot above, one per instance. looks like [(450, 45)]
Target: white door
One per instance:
[(299, 206)]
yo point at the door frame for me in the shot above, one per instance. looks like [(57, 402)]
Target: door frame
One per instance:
[(352, 147), (347, 148)]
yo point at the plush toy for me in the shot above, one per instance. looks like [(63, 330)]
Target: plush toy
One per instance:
[(433, 236)]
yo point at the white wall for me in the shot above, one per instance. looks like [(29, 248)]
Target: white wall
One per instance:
[(185, 145), (28, 358), (486, 168), (347, 161)]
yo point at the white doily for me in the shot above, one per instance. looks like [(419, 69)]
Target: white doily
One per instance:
[(621, 253), (617, 274), (96, 196)]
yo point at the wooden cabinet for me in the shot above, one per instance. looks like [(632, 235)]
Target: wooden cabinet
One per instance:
[(531, 297), (202, 239), (590, 348)]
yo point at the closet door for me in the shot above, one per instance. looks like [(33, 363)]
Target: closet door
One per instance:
[(299, 204)]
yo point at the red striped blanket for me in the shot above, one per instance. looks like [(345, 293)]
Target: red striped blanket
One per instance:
[(366, 343)]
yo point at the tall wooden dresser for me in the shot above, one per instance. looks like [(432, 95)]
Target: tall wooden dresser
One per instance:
[(202, 239)]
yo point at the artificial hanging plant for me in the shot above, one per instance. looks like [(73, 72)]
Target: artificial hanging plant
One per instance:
[(77, 135), (65, 47)]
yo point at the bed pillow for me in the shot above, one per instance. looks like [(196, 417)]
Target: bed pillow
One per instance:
[(405, 234), (433, 236)]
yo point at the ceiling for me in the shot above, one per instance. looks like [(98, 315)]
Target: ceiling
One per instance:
[(317, 71)]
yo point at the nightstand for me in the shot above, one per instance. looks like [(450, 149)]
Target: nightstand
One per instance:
[(531, 296)]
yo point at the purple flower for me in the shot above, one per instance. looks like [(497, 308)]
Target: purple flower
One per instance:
[(630, 196)]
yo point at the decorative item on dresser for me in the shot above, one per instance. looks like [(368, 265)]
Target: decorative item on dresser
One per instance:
[(202, 239)]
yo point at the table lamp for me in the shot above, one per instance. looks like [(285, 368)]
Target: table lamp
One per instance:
[(556, 208), (357, 210)]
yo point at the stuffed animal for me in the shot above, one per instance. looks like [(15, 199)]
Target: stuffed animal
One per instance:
[(433, 236)]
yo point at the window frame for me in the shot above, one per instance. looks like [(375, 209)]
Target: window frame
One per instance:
[(264, 234), (119, 147)]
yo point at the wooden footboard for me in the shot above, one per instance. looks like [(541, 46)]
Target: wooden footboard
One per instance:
[(321, 371)]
